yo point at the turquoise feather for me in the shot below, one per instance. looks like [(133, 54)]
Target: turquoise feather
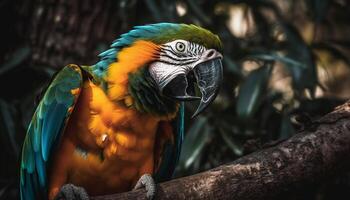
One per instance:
[(171, 153), (45, 130)]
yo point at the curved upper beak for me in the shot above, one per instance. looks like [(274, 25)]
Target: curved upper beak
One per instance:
[(208, 74)]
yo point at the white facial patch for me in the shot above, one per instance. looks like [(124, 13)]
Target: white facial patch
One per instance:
[(176, 57)]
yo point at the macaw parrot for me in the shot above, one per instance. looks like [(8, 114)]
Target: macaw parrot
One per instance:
[(118, 125)]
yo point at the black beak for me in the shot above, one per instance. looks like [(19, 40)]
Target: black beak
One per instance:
[(208, 77), (181, 88)]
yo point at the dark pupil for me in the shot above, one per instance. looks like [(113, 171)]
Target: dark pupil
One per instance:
[(181, 47)]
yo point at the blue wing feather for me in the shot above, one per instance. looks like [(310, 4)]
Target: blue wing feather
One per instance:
[(171, 152), (45, 130), (51, 128)]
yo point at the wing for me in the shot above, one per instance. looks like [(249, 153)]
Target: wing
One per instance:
[(46, 129), (168, 147)]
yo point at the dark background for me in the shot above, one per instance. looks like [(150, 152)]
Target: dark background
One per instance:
[(286, 63)]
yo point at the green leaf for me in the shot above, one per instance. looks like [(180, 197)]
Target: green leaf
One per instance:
[(154, 8), (233, 146), (318, 9), (276, 57), (169, 10), (197, 10), (304, 76), (231, 66), (16, 58), (287, 128), (7, 126), (251, 91), (196, 138)]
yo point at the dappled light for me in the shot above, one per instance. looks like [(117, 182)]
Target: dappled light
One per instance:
[(285, 64)]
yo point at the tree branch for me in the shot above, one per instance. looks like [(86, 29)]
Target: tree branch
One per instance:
[(313, 154)]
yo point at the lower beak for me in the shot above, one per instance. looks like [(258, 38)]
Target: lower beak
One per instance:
[(208, 76)]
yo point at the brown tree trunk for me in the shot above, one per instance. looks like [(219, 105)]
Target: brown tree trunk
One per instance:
[(73, 31), (313, 154), (64, 32)]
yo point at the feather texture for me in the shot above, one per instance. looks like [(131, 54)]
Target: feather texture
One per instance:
[(170, 152), (159, 33), (44, 131)]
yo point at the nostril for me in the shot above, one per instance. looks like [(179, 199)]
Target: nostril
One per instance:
[(210, 54)]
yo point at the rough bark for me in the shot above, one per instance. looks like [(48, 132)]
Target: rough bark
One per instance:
[(72, 30), (66, 31), (315, 153)]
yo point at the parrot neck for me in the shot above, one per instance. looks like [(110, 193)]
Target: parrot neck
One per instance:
[(146, 97), (130, 84)]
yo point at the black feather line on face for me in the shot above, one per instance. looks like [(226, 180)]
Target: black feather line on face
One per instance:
[(177, 59), (173, 52)]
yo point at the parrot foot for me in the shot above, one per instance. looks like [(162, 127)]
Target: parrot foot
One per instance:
[(72, 192), (148, 183)]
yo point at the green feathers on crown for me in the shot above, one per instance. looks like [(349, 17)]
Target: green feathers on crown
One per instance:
[(191, 33)]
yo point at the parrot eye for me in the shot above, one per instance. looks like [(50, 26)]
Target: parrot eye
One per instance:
[(180, 47)]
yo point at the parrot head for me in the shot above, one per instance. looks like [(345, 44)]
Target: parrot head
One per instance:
[(181, 64), (163, 63)]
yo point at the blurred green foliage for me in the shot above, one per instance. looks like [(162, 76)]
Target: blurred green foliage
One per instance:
[(250, 111), (267, 40)]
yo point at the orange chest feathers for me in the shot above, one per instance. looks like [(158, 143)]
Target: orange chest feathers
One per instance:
[(106, 147)]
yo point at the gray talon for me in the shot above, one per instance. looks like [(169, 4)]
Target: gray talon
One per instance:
[(72, 192), (147, 181)]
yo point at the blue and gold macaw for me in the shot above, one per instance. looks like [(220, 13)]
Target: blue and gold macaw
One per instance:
[(119, 124)]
